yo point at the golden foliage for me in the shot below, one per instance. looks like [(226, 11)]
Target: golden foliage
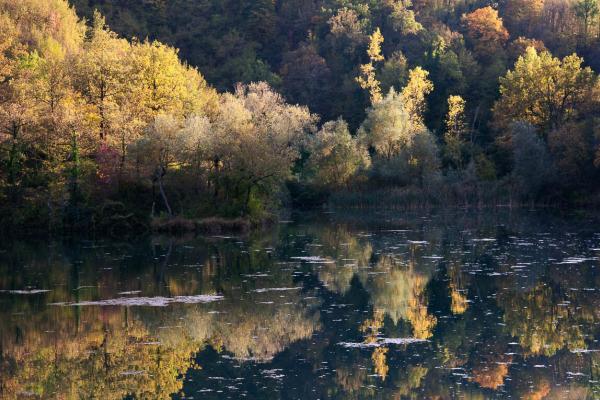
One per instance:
[(484, 27), (379, 358), (413, 96), (490, 375), (367, 79), (545, 91)]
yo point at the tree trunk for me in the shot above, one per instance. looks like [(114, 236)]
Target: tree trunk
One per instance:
[(164, 196), (74, 177), (247, 206), (122, 160)]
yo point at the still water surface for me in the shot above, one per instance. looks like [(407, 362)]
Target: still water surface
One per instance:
[(460, 305)]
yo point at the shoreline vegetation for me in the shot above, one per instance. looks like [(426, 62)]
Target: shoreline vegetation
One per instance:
[(211, 226), (365, 105)]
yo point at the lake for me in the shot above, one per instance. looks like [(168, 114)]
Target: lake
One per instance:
[(462, 304)]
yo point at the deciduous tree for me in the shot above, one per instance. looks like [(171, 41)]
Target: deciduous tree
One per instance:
[(545, 91), (485, 31), (456, 130), (335, 155), (367, 79)]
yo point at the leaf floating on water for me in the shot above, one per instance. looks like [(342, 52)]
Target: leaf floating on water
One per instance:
[(577, 260), (132, 373), (280, 289), (359, 345), (85, 287), (245, 359), (32, 291), (402, 340), (147, 301), (273, 373), (577, 351), (382, 342), (314, 260)]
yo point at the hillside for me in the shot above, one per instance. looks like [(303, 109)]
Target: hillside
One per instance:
[(146, 110)]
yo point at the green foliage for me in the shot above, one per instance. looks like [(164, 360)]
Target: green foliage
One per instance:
[(456, 131), (586, 11), (394, 121), (533, 168), (238, 159), (335, 156), (485, 168), (416, 163), (388, 126), (394, 72), (402, 18)]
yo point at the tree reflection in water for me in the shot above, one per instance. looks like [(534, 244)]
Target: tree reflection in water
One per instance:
[(503, 305)]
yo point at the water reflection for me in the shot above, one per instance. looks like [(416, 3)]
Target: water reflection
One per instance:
[(451, 306)]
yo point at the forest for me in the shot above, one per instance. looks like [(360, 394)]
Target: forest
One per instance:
[(164, 113)]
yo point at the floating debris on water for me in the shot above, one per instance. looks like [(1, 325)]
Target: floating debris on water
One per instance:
[(132, 373), (314, 260), (578, 351), (30, 291), (577, 260), (281, 289), (382, 342), (147, 301)]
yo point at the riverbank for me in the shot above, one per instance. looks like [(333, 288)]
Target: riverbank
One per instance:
[(131, 224), (120, 219), (477, 195), (212, 225)]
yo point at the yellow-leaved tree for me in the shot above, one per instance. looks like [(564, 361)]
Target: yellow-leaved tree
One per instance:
[(456, 130), (545, 91), (103, 73), (367, 79), (169, 86)]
